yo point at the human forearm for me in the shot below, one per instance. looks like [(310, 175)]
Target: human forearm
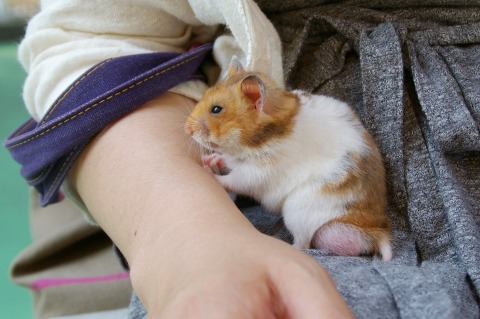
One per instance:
[(143, 188)]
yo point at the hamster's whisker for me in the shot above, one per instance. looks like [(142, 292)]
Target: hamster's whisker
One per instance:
[(193, 147), (180, 129)]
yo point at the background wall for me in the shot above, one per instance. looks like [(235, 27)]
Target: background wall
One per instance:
[(15, 301)]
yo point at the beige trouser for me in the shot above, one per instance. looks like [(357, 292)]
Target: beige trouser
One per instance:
[(70, 265)]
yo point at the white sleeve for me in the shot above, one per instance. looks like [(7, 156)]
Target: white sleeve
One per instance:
[(255, 41)]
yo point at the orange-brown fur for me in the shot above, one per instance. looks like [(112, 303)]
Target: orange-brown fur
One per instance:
[(256, 127), (367, 180)]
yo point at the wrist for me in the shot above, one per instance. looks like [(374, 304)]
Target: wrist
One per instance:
[(184, 253)]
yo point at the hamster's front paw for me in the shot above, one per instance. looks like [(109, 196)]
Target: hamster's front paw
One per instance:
[(215, 164)]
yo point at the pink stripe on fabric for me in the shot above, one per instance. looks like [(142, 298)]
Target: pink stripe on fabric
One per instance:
[(52, 282)]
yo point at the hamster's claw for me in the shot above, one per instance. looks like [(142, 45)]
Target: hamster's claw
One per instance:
[(215, 164)]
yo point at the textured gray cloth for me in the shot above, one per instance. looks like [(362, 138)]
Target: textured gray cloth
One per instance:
[(413, 75)]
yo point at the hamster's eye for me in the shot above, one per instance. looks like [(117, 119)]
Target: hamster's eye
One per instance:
[(216, 109)]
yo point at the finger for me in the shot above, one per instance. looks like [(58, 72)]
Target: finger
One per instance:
[(312, 296)]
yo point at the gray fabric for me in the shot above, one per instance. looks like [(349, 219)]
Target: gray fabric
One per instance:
[(136, 309), (413, 75)]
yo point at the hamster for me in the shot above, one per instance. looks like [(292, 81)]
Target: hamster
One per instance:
[(305, 156)]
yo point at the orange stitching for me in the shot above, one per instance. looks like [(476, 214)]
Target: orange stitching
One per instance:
[(24, 127), (102, 101), (71, 88), (60, 171), (39, 176)]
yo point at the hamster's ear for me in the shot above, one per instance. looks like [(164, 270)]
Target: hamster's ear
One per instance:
[(235, 66), (254, 89)]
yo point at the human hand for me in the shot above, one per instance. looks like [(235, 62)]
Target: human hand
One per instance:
[(253, 277)]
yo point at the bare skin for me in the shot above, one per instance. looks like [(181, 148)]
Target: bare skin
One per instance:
[(192, 253)]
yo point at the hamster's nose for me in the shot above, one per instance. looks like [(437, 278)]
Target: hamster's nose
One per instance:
[(189, 130)]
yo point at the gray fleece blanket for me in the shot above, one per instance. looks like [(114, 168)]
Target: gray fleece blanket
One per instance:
[(413, 75)]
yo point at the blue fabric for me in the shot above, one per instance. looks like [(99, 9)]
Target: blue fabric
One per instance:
[(111, 89)]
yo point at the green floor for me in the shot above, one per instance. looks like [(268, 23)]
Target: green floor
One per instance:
[(15, 301)]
